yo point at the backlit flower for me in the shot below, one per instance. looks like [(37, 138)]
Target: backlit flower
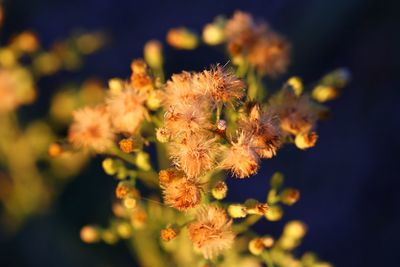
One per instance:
[(182, 193), (194, 154), (91, 129), (221, 85), (211, 232), (127, 111), (263, 126), (241, 159)]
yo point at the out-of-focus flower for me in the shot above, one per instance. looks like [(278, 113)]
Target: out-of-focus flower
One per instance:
[(213, 33), (26, 42), (241, 159), (296, 113), (16, 88), (127, 110), (264, 49), (153, 54), (182, 38), (211, 232), (306, 140), (91, 129)]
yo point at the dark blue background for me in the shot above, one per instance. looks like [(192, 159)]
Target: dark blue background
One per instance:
[(349, 182)]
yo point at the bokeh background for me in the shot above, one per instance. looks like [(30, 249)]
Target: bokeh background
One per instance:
[(349, 183)]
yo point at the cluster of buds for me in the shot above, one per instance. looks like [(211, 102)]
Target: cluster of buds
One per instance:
[(205, 129)]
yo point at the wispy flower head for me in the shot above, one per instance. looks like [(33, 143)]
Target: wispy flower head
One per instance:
[(182, 193), (192, 119), (194, 154), (296, 113), (240, 158), (180, 91), (263, 126), (221, 85), (127, 110), (270, 55), (91, 129), (256, 42), (211, 232)]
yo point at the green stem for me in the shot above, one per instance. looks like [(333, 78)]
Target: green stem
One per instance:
[(219, 110), (267, 259), (147, 249), (248, 222)]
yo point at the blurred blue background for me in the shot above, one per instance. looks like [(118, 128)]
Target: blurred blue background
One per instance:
[(349, 181)]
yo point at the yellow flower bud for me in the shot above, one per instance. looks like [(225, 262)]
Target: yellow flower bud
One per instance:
[(182, 38), (290, 196), (109, 167), (89, 234), (268, 241), (306, 140), (153, 101), (153, 54), (109, 237), (213, 34), (124, 230), (256, 246), (55, 150), (277, 180), (237, 211), (295, 229), (129, 202), (324, 93), (296, 84), (116, 86), (143, 161), (162, 135), (220, 190), (274, 213)]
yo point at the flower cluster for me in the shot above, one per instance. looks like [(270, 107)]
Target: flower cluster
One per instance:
[(205, 126)]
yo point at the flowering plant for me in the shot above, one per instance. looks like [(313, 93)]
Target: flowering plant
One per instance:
[(171, 146)]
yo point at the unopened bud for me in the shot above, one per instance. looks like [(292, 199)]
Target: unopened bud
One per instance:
[(162, 135), (55, 150), (295, 229), (182, 38), (324, 93), (213, 34), (274, 213), (256, 246), (268, 241), (255, 207), (169, 233), (296, 84), (237, 211), (143, 161), (153, 54), (277, 180), (138, 66), (89, 234), (116, 86), (306, 140), (127, 145), (129, 202), (290, 196), (109, 237), (220, 190)]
